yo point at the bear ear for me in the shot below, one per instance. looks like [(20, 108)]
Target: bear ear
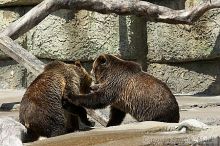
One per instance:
[(102, 60), (78, 64)]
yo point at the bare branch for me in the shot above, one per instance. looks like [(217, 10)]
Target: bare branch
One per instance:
[(151, 11), (187, 17)]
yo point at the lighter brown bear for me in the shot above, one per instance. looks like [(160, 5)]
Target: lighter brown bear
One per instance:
[(128, 89)]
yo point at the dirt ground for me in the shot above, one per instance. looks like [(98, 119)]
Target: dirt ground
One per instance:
[(203, 108)]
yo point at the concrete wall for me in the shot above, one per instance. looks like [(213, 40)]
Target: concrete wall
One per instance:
[(185, 57)]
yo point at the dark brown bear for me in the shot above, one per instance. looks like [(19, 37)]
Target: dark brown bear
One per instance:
[(123, 85), (41, 110)]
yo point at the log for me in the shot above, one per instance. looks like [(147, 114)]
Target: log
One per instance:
[(22, 56), (97, 116)]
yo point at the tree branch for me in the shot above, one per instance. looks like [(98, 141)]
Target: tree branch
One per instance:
[(151, 11), (187, 17)]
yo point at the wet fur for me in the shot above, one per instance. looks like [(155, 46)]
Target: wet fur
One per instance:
[(123, 85), (41, 110)]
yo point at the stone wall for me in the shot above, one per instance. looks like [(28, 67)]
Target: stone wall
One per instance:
[(185, 57)]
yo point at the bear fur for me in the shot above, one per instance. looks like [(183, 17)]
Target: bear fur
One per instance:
[(128, 89), (41, 108)]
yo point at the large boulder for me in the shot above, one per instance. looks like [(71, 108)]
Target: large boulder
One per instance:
[(11, 132)]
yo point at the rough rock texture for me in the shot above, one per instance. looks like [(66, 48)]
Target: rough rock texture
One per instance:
[(178, 43), (11, 132), (8, 15), (195, 77), (12, 75), (65, 35)]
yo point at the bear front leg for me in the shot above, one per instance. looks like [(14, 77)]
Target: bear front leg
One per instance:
[(116, 117)]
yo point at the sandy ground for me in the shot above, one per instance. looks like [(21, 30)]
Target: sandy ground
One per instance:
[(203, 108)]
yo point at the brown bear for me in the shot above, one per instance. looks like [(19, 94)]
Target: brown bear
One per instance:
[(128, 89), (41, 109)]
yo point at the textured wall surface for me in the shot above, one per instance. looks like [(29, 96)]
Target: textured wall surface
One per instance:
[(182, 78), (65, 35), (179, 54), (178, 43), (11, 75), (8, 15)]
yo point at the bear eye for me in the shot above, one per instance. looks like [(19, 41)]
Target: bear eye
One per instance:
[(102, 60), (78, 64)]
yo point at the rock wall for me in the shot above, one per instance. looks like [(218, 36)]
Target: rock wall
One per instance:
[(185, 57)]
